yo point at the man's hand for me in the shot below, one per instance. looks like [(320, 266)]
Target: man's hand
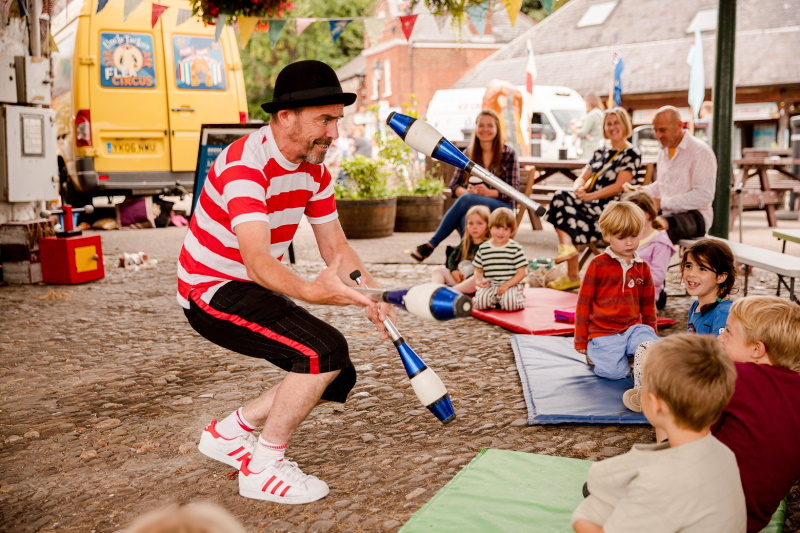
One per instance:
[(457, 275), (329, 289), (378, 313)]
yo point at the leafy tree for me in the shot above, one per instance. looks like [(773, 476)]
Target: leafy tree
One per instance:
[(262, 63)]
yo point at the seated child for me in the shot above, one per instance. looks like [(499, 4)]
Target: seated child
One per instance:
[(616, 308), (476, 233), (761, 423), (654, 244), (500, 266), (689, 483)]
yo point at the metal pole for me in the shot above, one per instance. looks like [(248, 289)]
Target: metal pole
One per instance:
[(35, 31), (724, 95)]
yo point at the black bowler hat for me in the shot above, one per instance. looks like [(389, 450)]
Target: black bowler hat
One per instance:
[(307, 83)]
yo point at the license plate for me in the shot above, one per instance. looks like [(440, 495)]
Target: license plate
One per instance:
[(131, 147)]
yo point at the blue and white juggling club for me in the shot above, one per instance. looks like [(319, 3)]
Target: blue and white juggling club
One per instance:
[(426, 384), (429, 301), (424, 138)]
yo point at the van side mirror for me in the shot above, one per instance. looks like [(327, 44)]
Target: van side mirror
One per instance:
[(548, 132)]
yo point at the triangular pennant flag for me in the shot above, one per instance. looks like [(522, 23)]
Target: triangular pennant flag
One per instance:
[(302, 24), (477, 15), (374, 28), (129, 7), (158, 9), (183, 16), (219, 24), (100, 5), (51, 43), (275, 29), (513, 7), (530, 68), (441, 22), (246, 27), (407, 24), (547, 5), (337, 27)]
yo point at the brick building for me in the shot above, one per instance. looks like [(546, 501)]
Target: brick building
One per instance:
[(391, 70)]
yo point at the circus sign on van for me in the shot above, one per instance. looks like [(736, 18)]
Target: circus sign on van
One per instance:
[(127, 60)]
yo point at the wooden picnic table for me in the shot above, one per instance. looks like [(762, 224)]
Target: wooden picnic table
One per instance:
[(548, 167), (765, 197)]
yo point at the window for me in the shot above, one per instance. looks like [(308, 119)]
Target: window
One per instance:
[(596, 14), (387, 78), (705, 19)]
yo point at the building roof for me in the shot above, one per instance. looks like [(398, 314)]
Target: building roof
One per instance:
[(654, 38)]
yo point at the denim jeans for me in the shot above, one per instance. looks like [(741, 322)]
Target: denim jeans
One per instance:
[(455, 218)]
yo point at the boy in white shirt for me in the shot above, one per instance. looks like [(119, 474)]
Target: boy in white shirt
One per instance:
[(689, 483)]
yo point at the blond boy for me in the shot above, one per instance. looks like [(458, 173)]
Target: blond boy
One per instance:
[(500, 266), (616, 308), (689, 483), (761, 423)]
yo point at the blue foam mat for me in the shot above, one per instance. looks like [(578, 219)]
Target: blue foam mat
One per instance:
[(560, 388)]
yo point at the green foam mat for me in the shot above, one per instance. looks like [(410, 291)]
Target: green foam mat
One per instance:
[(505, 491)]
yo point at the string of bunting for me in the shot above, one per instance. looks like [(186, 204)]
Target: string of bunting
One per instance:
[(373, 26)]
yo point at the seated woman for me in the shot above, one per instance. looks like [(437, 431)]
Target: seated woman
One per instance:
[(489, 150), (575, 214)]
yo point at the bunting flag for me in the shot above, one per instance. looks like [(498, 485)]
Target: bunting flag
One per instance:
[(513, 7), (219, 24), (477, 15), (547, 5), (158, 9), (246, 27), (374, 28), (100, 5), (129, 7), (407, 24), (337, 26), (183, 16), (697, 80), (51, 43), (275, 29), (530, 69), (302, 24)]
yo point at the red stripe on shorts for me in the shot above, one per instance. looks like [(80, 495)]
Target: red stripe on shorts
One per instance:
[(313, 357)]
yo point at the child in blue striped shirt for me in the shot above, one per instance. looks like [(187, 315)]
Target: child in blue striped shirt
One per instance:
[(500, 266)]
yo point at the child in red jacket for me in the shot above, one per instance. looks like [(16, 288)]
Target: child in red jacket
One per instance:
[(616, 305)]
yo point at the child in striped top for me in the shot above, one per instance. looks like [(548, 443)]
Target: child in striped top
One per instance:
[(616, 308), (500, 266)]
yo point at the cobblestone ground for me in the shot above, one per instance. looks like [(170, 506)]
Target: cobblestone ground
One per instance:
[(105, 390)]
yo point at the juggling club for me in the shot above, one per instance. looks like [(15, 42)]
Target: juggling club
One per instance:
[(424, 138), (429, 301), (426, 384)]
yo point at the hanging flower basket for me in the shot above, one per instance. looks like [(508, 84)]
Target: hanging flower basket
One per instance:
[(209, 10)]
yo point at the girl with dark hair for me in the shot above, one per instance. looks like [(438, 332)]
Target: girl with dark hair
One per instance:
[(708, 269), (489, 150)]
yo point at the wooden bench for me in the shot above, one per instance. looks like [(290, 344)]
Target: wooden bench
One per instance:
[(785, 266)]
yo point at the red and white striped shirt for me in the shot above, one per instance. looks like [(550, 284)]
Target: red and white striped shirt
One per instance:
[(249, 181)]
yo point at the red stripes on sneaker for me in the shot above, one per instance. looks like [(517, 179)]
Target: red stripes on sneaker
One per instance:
[(212, 428), (313, 357)]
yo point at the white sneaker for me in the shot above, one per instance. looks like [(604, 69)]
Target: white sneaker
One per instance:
[(281, 482), (229, 451)]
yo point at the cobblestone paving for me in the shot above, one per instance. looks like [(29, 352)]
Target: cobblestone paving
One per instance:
[(104, 390)]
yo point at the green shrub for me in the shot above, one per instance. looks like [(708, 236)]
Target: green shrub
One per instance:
[(365, 179)]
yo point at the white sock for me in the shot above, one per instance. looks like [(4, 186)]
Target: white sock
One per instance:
[(265, 453), (234, 424)]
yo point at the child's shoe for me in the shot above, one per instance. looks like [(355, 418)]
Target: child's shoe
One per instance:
[(632, 400), (422, 252), (281, 481), (565, 252), (564, 284)]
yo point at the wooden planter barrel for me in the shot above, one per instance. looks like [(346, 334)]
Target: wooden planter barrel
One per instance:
[(367, 219), (418, 213)]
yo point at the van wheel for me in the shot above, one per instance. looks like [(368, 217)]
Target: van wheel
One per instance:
[(69, 194)]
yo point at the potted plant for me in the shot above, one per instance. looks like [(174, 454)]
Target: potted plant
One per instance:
[(365, 203)]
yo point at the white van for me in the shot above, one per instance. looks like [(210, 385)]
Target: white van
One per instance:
[(453, 113)]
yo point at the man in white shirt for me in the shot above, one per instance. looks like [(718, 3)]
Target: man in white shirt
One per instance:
[(686, 180)]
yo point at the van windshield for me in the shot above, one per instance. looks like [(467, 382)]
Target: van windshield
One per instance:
[(565, 116)]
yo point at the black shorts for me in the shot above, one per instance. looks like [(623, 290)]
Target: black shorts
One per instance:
[(251, 320), (688, 225)]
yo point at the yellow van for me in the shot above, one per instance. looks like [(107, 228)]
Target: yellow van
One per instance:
[(130, 97)]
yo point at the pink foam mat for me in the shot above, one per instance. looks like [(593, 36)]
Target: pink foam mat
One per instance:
[(538, 316)]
